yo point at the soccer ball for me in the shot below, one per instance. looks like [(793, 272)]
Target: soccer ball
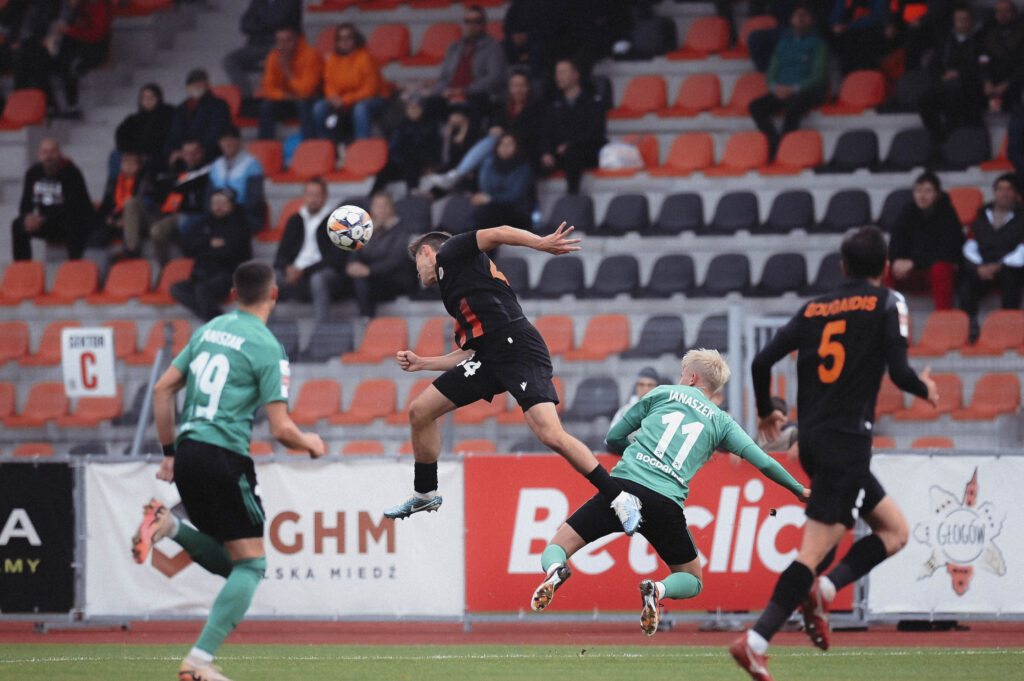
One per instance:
[(349, 227)]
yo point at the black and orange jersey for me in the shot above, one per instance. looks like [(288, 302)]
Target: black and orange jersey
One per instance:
[(475, 293), (844, 342)]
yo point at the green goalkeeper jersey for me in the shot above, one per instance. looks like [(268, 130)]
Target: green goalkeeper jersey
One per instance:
[(677, 430), (232, 365)]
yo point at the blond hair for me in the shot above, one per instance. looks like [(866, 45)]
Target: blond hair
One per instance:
[(709, 366)]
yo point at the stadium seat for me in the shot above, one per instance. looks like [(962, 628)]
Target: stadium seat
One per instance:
[(745, 151), (883, 442), (706, 36), (680, 212), (48, 353), (596, 396), (783, 272), (1001, 332), (909, 149), (944, 331), (855, 149), (846, 208), (758, 22), (433, 45), (672, 273), (13, 341), (829, 276), (932, 442), (892, 206), (232, 95), (727, 272), (576, 210), (651, 36), (363, 158), (382, 339), (8, 400), (791, 209), (713, 333), (616, 275), (181, 332), (643, 95), (966, 147), (994, 394), (127, 279), (906, 95), (967, 201), (373, 398), (605, 335), (799, 150), (125, 337), (90, 411), (950, 391), (481, 410), (388, 43), (27, 449), (362, 448), (560, 276), (626, 213), (647, 145), (890, 398), (690, 152), (660, 335), (261, 448), (736, 210), (75, 279), (557, 332), (174, 271), (318, 398), (312, 158), (861, 90), (46, 402), (270, 154), (457, 215), (402, 417), (748, 87), (1000, 162), (516, 271), (435, 338), (23, 280), (475, 446), (329, 340), (698, 92), (286, 331), (515, 416), (24, 107)]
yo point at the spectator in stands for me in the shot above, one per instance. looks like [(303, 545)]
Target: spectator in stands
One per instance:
[(858, 33), (955, 97), (354, 90), (116, 218), (307, 265), (994, 253), (239, 170), (382, 270), (55, 205), (29, 59), (1001, 44), (647, 379), (918, 27), (457, 137), (145, 131), (796, 78), (925, 243), (78, 41), (182, 199), (787, 440), (202, 116), (12, 14), (507, 193), (291, 84), (413, 146), (530, 27), (218, 243), (473, 69), (260, 23), (574, 127)]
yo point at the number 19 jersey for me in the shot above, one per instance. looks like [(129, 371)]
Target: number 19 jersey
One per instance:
[(232, 365)]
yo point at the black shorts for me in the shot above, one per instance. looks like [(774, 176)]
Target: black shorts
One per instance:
[(842, 485), (663, 524), (515, 359), (218, 489)]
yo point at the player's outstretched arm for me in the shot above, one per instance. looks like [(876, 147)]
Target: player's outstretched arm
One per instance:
[(163, 414), (770, 468), (284, 430), (556, 243), (410, 361)]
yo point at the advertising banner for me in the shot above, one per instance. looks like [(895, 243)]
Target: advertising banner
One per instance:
[(965, 553), (514, 504), (330, 551), (37, 529)]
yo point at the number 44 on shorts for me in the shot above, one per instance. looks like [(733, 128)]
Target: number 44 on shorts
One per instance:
[(469, 366)]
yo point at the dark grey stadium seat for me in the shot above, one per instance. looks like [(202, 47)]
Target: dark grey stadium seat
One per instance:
[(596, 396), (830, 275), (907, 93), (782, 272), (560, 276), (846, 208), (682, 212), (455, 218), (672, 273), (287, 333), (735, 211), (651, 37), (516, 270), (660, 335), (909, 149), (713, 333), (791, 209), (329, 340), (854, 149), (891, 207), (415, 213), (130, 415), (966, 147), (726, 272), (91, 447), (615, 274), (626, 213), (575, 209)]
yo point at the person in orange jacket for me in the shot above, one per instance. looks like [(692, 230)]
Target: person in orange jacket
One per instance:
[(354, 90), (291, 83)]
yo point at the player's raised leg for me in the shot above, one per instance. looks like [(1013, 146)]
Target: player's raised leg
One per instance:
[(685, 581), (158, 522), (555, 563)]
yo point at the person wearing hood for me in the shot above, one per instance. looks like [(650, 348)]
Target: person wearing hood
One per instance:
[(506, 194)]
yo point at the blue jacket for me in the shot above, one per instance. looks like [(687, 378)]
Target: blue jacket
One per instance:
[(514, 187), (800, 62)]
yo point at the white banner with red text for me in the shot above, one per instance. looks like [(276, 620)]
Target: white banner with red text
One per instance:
[(330, 551)]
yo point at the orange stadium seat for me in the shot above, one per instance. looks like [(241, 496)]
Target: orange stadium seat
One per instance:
[(127, 279), (174, 271), (90, 411), (698, 92), (606, 334), (434, 337), (434, 44), (883, 442), (967, 201), (402, 417), (475, 446), (944, 331), (232, 95), (861, 90), (75, 279), (362, 447), (759, 22), (799, 150), (289, 209), (383, 337), (312, 158), (1001, 331), (269, 153), (648, 147), (481, 410), (890, 398), (405, 447), (13, 341), (515, 415), (181, 332), (325, 41), (748, 87), (318, 398), (932, 442), (373, 399), (429, 4), (24, 107), (744, 151), (994, 394), (950, 397), (46, 402), (27, 449), (388, 43), (557, 332), (706, 36), (643, 95), (363, 158), (125, 337), (48, 353), (332, 5), (261, 448), (8, 400), (690, 152), (141, 8), (23, 279), (1001, 162)]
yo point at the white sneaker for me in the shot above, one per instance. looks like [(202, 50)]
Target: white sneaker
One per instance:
[(542, 595), (195, 670), (627, 509)]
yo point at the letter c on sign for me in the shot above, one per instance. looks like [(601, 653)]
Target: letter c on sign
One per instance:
[(87, 362)]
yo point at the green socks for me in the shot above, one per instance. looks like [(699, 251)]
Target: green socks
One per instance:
[(204, 550), (232, 602), (552, 554), (681, 585)]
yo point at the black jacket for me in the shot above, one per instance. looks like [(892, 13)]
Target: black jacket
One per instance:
[(927, 238), (581, 121), (210, 117), (293, 238), (262, 19), (61, 197), (145, 132), (387, 255), (211, 260)]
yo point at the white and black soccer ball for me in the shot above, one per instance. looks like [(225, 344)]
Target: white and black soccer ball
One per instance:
[(349, 228)]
